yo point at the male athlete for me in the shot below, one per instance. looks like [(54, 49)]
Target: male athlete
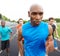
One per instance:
[(36, 33)]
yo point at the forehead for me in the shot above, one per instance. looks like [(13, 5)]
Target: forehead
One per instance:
[(20, 20), (52, 20), (2, 21), (36, 9)]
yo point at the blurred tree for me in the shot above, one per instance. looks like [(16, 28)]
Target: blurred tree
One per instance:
[(25, 21), (13, 21), (0, 16), (9, 20), (57, 19)]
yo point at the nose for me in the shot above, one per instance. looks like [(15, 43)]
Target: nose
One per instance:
[(37, 16)]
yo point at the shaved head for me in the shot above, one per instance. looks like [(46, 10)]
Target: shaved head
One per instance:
[(36, 14), (2, 23), (35, 7)]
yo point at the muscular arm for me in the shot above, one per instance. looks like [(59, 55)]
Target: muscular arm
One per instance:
[(50, 42), (20, 45)]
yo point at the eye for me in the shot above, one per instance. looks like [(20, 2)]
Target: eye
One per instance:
[(34, 13), (41, 13)]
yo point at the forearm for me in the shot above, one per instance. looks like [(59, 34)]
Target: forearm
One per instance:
[(20, 45), (49, 44)]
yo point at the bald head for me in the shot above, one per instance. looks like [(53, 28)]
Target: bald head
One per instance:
[(36, 14), (2, 23), (36, 7)]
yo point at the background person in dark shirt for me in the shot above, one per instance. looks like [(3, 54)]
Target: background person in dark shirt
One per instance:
[(51, 22)]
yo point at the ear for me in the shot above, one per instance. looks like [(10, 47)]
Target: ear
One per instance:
[(28, 14)]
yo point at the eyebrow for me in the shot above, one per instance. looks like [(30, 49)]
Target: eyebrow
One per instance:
[(34, 13)]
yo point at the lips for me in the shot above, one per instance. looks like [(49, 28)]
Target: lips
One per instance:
[(37, 22)]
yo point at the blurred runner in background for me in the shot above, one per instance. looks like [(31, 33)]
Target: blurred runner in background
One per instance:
[(6, 37), (52, 23)]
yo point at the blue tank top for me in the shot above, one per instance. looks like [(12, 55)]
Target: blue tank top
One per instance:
[(35, 39)]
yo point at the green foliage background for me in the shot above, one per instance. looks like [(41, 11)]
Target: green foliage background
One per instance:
[(57, 20)]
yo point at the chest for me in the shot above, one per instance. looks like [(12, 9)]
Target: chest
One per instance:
[(4, 30), (35, 33)]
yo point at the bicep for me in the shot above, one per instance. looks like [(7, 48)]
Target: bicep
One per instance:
[(50, 42), (50, 32), (50, 37)]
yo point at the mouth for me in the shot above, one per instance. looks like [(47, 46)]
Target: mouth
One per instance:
[(37, 21)]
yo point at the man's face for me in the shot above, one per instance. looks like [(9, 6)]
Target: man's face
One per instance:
[(36, 15), (3, 23), (21, 22), (51, 22)]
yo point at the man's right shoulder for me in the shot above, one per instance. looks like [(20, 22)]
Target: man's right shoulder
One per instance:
[(26, 24), (23, 27)]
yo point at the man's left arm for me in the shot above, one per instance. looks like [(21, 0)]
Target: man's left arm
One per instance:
[(10, 30), (50, 41)]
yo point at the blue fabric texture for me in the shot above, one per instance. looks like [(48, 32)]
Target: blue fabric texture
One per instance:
[(5, 33), (35, 38)]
